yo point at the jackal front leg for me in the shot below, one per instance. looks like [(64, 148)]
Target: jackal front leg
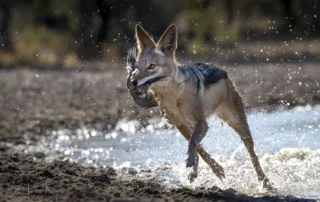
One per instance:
[(200, 131), (215, 167), (194, 174)]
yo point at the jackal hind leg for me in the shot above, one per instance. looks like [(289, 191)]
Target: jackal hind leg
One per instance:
[(215, 167), (232, 112)]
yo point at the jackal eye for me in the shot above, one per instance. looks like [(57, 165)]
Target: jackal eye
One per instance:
[(151, 66)]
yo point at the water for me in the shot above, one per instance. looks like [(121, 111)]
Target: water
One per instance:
[(287, 143)]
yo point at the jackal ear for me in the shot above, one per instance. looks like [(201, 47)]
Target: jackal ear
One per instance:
[(143, 38), (168, 40)]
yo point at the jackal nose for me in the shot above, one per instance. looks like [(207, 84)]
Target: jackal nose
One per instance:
[(134, 82)]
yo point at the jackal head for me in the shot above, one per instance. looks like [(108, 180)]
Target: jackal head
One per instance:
[(155, 62)]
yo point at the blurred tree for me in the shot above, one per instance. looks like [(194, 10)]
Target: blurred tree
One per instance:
[(6, 9), (311, 16), (87, 32), (289, 15), (237, 11), (105, 14)]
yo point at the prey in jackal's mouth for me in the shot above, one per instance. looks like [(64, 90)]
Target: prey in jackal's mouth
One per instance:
[(140, 94), (187, 95)]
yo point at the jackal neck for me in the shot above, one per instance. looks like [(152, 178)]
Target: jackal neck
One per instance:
[(170, 87)]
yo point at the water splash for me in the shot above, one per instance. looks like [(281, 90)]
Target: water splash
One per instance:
[(287, 143)]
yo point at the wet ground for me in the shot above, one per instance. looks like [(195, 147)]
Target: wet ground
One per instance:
[(36, 102)]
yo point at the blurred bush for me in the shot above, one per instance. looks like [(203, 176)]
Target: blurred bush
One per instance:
[(63, 32)]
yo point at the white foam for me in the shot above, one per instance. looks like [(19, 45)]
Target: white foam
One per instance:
[(295, 176)]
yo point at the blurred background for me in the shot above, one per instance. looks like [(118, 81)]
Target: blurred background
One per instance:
[(68, 33), (63, 96)]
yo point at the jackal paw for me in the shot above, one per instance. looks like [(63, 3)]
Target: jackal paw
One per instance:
[(191, 160), (267, 185), (218, 170), (192, 176)]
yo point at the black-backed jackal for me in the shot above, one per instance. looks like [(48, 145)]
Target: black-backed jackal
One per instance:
[(187, 95)]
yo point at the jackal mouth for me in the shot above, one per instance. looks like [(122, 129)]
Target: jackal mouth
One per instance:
[(145, 87), (152, 81)]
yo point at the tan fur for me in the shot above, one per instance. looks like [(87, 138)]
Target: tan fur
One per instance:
[(184, 107)]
